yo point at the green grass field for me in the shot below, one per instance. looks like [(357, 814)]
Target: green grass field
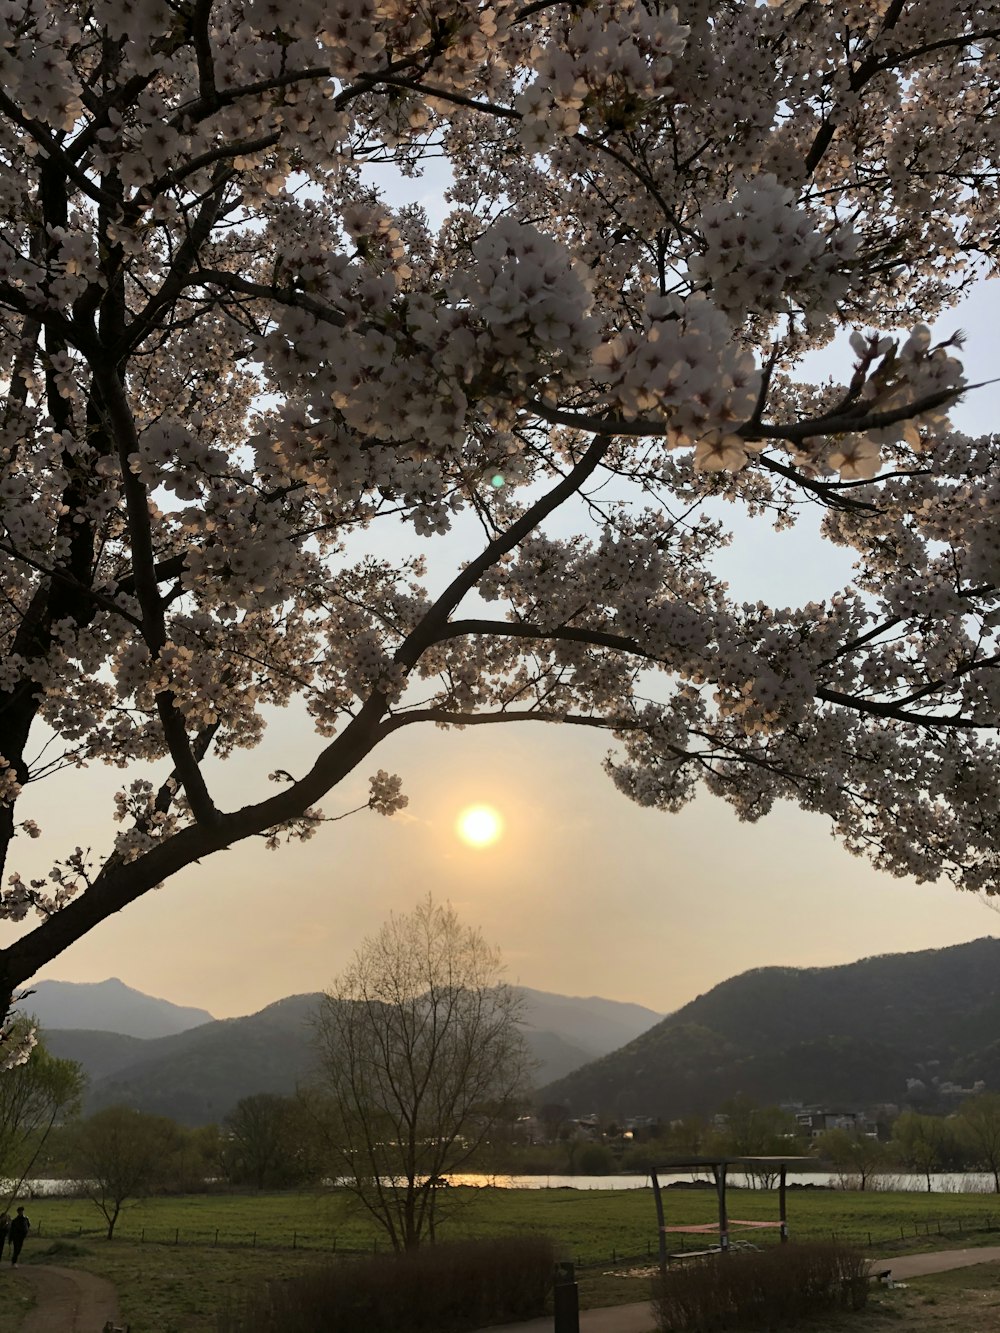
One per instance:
[(16, 1299), (588, 1225), (178, 1275)]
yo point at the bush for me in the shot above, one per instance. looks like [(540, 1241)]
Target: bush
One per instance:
[(767, 1289), (594, 1159), (437, 1289)]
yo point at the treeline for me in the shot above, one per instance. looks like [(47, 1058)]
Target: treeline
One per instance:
[(968, 1139), (119, 1154)]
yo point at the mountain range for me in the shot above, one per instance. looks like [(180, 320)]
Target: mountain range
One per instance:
[(896, 1028), (185, 1064)]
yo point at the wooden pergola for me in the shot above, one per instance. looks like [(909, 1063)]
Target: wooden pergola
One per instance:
[(719, 1166)]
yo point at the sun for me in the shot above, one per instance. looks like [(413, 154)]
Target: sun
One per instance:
[(479, 825)]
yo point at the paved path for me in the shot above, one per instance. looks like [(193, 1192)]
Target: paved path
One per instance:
[(905, 1266), (68, 1300), (638, 1318)]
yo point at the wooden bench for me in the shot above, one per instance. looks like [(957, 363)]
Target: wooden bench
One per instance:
[(696, 1254)]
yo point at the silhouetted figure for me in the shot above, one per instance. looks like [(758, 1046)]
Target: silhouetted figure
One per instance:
[(4, 1224), (19, 1228)]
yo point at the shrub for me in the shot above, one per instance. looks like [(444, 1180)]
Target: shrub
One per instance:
[(766, 1289), (437, 1289), (595, 1160)]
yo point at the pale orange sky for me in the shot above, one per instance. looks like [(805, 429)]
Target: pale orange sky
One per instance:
[(585, 893)]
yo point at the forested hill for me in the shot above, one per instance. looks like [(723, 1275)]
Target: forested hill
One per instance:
[(198, 1076), (847, 1036)]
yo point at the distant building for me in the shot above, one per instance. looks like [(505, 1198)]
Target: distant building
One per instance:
[(814, 1123)]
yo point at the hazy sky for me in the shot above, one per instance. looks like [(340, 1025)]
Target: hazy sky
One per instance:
[(585, 893)]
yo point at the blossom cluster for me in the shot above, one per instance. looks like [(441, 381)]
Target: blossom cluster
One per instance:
[(597, 65), (685, 367), (764, 254), (386, 793)]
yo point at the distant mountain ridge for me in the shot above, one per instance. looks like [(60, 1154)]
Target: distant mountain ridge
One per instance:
[(109, 1006), (851, 1035), (197, 1076)]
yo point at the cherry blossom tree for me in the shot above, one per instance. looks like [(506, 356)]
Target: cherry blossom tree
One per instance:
[(227, 355)]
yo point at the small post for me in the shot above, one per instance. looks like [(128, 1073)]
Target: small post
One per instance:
[(253, 1241), (177, 1235), (566, 1300), (295, 1237), (783, 1204), (142, 1236), (216, 1245)]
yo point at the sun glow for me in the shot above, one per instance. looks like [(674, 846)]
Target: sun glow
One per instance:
[(479, 825)]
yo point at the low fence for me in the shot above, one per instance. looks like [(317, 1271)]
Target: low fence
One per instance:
[(902, 1235)]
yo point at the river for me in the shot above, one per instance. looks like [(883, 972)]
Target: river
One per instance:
[(969, 1182)]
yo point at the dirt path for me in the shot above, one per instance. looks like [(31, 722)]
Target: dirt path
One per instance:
[(68, 1300)]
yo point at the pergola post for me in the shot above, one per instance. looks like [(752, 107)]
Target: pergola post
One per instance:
[(660, 1220)]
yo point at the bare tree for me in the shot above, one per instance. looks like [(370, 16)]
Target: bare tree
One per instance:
[(421, 1053), (857, 1158), (120, 1155)]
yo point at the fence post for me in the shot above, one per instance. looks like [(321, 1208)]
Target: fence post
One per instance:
[(295, 1239), (142, 1236), (177, 1235), (216, 1245), (253, 1243), (869, 1240)]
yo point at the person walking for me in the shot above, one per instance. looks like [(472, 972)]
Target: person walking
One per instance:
[(4, 1224), (19, 1228)]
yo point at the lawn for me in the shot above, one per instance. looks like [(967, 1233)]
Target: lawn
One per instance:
[(16, 1299), (589, 1226), (174, 1260)]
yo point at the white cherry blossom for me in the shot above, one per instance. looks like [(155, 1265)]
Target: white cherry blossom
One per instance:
[(230, 360)]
